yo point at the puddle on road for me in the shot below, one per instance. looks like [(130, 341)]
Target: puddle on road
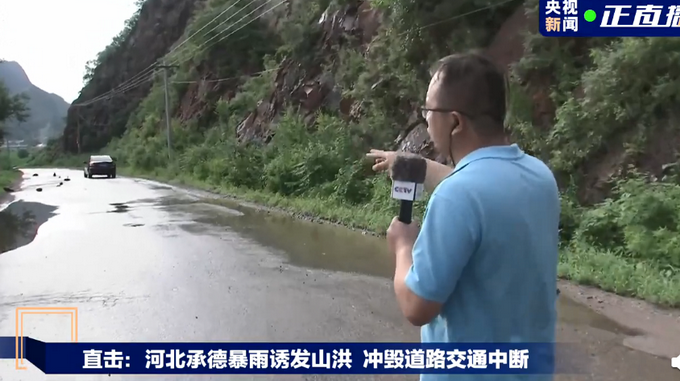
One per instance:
[(159, 187), (119, 207), (304, 243), (575, 313), (328, 247), (19, 223)]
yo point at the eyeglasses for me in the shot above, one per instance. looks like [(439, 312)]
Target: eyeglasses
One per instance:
[(424, 112)]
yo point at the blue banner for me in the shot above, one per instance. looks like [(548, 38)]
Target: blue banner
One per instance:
[(284, 358), (598, 18)]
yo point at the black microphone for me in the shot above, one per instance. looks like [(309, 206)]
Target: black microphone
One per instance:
[(408, 179)]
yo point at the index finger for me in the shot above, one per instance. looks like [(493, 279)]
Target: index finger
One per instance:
[(376, 153)]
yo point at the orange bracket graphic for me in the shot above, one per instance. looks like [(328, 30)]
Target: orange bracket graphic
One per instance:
[(21, 311)]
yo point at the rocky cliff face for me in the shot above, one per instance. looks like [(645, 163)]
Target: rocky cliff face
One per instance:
[(307, 87), (47, 111), (313, 89), (362, 64), (158, 27)]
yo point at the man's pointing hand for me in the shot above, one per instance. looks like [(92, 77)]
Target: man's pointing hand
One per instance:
[(383, 159)]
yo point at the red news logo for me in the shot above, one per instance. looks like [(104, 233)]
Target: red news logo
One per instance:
[(406, 190)]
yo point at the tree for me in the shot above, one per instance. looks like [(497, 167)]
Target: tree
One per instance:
[(89, 71), (11, 107)]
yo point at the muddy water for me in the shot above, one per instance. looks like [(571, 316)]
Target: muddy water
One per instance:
[(302, 243), (327, 247), (599, 339), (324, 246), (305, 243), (19, 223)]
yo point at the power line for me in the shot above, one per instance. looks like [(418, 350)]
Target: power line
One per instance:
[(216, 26), (270, 70), (456, 17), (201, 47), (176, 48), (131, 83), (124, 86), (136, 80), (203, 27), (226, 79), (121, 88), (111, 94)]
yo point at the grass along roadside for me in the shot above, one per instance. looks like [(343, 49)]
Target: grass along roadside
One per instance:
[(581, 265), (8, 177), (609, 272)]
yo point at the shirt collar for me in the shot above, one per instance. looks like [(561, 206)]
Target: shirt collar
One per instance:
[(508, 152)]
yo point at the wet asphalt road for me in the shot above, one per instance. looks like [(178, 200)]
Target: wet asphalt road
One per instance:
[(146, 262)]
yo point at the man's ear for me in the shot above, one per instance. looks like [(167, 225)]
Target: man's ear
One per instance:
[(457, 123)]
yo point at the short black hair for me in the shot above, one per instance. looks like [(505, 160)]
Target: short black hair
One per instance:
[(472, 85)]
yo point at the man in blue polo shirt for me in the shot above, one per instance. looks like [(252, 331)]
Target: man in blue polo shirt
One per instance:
[(483, 266)]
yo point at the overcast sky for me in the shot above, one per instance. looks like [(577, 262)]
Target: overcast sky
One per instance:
[(53, 39)]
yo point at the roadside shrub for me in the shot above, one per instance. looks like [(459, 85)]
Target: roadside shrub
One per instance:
[(352, 185), (246, 166), (639, 222), (304, 160), (22, 153)]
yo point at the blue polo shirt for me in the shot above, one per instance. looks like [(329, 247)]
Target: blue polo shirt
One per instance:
[(488, 251)]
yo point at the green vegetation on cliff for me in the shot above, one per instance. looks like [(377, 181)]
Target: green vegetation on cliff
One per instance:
[(599, 111)]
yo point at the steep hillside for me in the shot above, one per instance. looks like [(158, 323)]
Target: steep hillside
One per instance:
[(47, 111), (147, 36), (286, 104)]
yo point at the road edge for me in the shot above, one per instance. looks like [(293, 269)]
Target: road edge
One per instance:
[(6, 197), (232, 198), (654, 321), (621, 309)]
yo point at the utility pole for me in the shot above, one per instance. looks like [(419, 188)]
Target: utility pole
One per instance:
[(167, 105)]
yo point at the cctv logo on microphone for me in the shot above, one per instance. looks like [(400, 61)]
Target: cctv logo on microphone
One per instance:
[(675, 362), (402, 190)]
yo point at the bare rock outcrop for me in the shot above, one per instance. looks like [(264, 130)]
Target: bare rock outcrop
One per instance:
[(305, 89)]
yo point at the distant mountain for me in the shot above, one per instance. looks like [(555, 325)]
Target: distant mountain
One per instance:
[(47, 111)]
